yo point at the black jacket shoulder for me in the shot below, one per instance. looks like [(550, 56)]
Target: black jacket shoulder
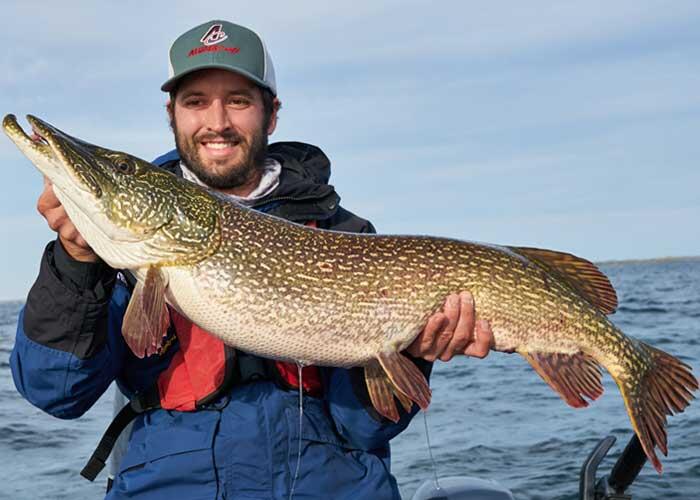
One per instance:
[(304, 192)]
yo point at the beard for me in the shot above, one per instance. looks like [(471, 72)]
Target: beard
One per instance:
[(229, 174)]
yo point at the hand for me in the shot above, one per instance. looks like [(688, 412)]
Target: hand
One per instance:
[(453, 331), (51, 209)]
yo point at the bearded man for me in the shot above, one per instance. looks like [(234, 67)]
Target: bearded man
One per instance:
[(210, 421)]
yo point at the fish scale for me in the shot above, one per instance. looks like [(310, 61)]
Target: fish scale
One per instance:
[(508, 284), (290, 292)]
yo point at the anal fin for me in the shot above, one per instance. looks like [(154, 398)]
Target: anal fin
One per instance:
[(572, 376), (146, 319)]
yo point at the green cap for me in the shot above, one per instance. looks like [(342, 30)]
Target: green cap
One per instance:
[(222, 45)]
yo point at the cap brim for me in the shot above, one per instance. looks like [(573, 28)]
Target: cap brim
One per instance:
[(171, 83)]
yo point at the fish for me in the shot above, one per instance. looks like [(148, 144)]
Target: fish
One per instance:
[(328, 298)]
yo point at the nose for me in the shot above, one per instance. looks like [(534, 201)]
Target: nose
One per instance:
[(217, 118)]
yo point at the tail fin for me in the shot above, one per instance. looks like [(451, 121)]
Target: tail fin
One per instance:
[(664, 388)]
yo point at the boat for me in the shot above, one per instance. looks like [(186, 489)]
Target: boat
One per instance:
[(613, 486)]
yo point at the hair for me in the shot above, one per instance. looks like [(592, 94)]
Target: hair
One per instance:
[(270, 106)]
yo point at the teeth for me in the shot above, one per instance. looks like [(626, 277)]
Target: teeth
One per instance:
[(38, 139), (219, 145)]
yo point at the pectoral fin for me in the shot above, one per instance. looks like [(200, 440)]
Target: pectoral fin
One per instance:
[(146, 320), (572, 376)]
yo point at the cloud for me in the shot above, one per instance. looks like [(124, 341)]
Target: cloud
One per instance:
[(465, 31), (543, 122)]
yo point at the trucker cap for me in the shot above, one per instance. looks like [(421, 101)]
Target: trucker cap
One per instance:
[(222, 45)]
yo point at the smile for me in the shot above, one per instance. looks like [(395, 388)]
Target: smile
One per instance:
[(219, 145)]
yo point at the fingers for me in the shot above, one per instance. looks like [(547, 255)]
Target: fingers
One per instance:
[(49, 206), (438, 332), (68, 232), (447, 333), (462, 335), (47, 199), (483, 341), (56, 217), (454, 331), (443, 338), (423, 344), (80, 241)]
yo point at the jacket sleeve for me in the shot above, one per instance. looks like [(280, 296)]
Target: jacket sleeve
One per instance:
[(355, 418), (69, 346), (64, 356)]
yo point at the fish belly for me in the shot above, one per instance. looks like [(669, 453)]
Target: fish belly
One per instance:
[(293, 329)]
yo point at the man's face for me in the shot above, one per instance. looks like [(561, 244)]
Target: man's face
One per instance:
[(218, 120)]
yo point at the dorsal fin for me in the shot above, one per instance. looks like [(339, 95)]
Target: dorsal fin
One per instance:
[(583, 275)]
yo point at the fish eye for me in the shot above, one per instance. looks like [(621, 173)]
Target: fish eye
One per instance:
[(125, 167)]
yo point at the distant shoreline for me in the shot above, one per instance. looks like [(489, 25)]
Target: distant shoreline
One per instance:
[(652, 260)]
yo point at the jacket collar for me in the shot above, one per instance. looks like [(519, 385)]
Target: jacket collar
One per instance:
[(303, 193)]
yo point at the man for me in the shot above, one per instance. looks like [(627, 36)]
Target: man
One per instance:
[(210, 421)]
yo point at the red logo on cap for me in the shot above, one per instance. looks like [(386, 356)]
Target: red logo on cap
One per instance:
[(215, 48), (214, 35)]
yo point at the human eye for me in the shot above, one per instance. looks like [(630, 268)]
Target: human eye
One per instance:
[(193, 101), (239, 101)]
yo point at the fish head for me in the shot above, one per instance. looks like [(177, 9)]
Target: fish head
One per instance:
[(132, 213)]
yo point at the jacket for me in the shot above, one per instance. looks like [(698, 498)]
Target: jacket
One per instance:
[(243, 445)]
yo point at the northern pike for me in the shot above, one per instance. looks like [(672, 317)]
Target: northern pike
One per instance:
[(289, 292)]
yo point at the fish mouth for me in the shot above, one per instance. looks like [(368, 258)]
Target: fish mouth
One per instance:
[(57, 155), (46, 136), (37, 141), (76, 173)]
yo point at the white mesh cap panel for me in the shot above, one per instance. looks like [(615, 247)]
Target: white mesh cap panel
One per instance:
[(269, 71)]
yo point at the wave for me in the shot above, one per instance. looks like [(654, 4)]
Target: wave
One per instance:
[(643, 310)]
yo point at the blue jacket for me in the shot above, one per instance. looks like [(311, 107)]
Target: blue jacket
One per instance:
[(69, 349)]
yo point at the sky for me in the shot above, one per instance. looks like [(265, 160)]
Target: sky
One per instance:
[(563, 125)]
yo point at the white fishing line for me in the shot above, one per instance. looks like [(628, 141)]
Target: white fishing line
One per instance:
[(430, 451), (301, 425)]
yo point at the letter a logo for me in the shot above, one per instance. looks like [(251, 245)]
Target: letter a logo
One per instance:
[(214, 35)]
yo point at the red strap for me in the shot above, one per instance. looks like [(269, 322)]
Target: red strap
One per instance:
[(196, 370), (311, 377)]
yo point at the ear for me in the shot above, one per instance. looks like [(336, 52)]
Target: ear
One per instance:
[(169, 107), (276, 104)]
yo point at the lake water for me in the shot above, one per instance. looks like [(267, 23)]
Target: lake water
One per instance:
[(491, 418)]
